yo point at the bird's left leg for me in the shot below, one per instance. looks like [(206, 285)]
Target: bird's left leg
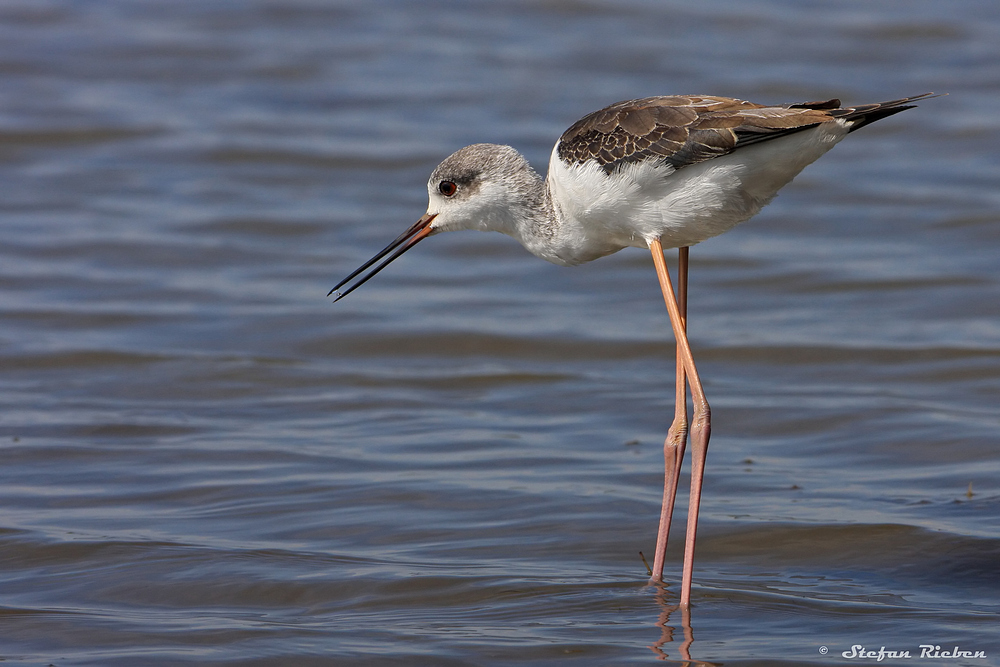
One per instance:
[(676, 441), (701, 421)]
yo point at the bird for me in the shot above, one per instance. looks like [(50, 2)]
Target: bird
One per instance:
[(655, 173)]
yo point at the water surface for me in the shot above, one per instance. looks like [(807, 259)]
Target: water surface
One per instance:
[(205, 462)]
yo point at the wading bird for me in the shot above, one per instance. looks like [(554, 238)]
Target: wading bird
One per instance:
[(659, 172)]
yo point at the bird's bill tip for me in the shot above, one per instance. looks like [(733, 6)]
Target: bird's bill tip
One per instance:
[(420, 230)]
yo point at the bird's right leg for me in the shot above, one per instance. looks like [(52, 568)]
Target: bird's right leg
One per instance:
[(701, 424), (676, 441)]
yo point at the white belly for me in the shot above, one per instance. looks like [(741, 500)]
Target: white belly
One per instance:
[(599, 214)]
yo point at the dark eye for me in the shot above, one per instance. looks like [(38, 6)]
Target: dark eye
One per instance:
[(447, 188)]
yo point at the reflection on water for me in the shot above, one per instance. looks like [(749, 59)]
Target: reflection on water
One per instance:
[(205, 462), (683, 643)]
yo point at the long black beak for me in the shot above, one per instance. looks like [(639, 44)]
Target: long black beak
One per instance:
[(411, 237)]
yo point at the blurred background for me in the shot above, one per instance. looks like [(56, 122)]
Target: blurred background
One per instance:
[(203, 461)]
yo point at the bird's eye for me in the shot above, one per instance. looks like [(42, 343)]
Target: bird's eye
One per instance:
[(447, 188)]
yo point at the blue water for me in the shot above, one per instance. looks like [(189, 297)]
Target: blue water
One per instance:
[(205, 462)]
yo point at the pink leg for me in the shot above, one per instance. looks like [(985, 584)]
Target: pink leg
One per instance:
[(673, 446), (701, 426)]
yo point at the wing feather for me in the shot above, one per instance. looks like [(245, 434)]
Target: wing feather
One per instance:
[(681, 130)]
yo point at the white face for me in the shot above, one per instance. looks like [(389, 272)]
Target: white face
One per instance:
[(466, 203)]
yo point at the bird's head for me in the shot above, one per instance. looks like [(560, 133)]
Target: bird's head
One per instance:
[(477, 187)]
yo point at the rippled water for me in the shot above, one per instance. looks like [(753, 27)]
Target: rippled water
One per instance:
[(205, 462)]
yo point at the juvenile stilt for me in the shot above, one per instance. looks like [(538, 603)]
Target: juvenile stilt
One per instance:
[(678, 169)]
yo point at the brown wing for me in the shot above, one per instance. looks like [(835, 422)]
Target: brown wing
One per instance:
[(683, 130)]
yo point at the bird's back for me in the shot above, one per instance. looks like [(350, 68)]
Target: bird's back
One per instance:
[(685, 168)]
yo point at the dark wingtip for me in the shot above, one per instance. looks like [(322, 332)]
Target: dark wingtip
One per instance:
[(869, 113)]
